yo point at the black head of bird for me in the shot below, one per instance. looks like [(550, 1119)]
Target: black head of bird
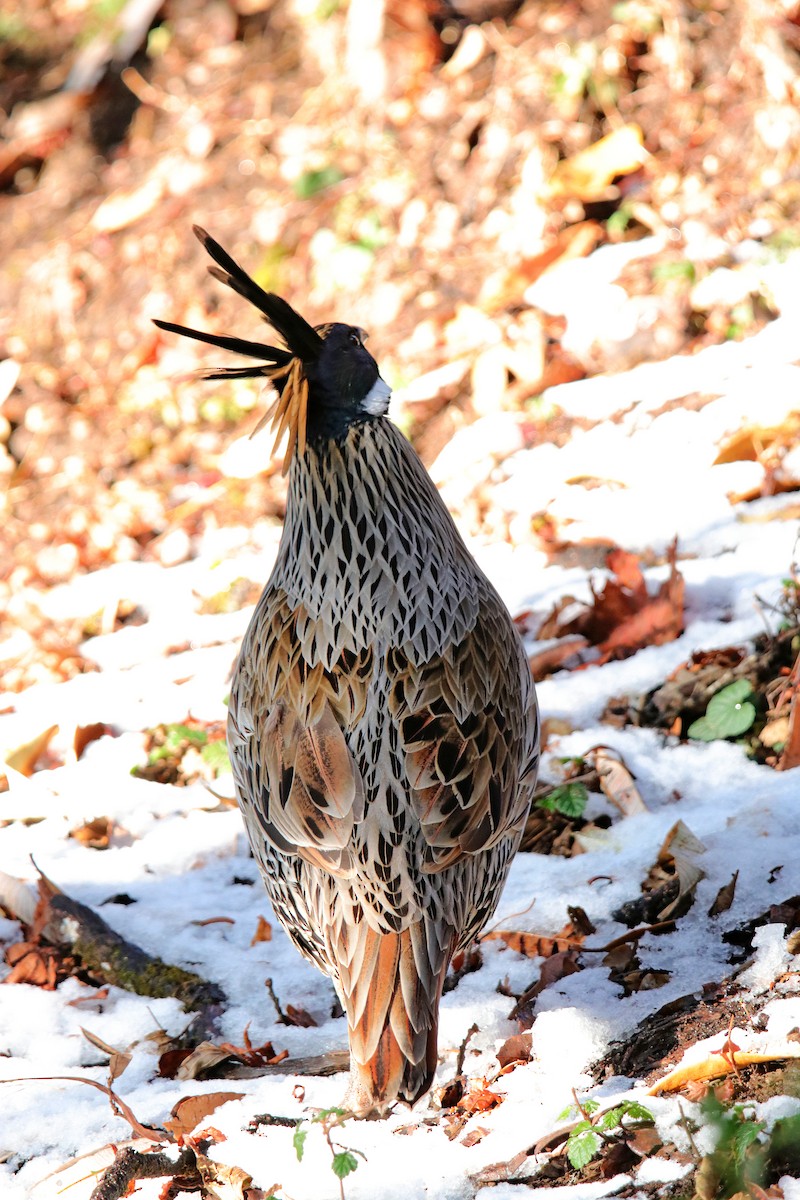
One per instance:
[(325, 378)]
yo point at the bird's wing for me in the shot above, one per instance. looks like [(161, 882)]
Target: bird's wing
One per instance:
[(296, 776), (468, 728)]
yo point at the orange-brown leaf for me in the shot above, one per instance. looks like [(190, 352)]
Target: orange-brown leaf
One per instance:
[(31, 964), (517, 1048), (790, 757), (544, 662), (479, 1100), (95, 834), (533, 945), (263, 932), (85, 734), (189, 1112), (24, 758), (299, 1016)]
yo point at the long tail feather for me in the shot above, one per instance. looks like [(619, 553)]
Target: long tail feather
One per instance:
[(271, 354), (301, 338), (392, 1011)]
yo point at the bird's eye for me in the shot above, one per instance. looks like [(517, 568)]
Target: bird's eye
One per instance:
[(355, 339)]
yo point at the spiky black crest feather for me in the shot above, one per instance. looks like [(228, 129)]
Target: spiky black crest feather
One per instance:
[(301, 338), (286, 369)]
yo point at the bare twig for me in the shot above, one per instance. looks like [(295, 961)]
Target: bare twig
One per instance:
[(462, 1049), (282, 1017)]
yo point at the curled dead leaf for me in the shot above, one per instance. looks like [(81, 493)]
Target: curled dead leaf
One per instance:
[(616, 780), (724, 897), (203, 1058), (714, 1066), (479, 1100), (95, 834), (680, 851), (474, 1136), (30, 963), (86, 734), (118, 1059)]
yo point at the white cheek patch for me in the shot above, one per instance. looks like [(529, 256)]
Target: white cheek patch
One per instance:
[(376, 401)]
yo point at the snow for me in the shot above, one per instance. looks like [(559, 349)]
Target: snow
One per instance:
[(771, 959), (179, 854)]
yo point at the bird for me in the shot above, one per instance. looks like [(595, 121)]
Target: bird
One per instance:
[(382, 724)]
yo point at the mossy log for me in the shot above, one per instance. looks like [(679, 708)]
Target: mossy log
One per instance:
[(71, 925)]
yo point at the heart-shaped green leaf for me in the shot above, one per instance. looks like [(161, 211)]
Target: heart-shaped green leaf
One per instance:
[(729, 714)]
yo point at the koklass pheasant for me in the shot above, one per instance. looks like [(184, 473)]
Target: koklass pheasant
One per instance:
[(382, 726)]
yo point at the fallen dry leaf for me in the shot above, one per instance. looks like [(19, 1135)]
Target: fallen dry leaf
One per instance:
[(679, 851), (715, 1066), (474, 1136), (25, 757), (95, 834), (189, 1112), (299, 1016), (588, 174), (86, 734), (203, 1058), (479, 1100), (263, 932), (517, 1048), (791, 751), (534, 945), (118, 1059), (544, 662), (220, 1181), (37, 965), (724, 897), (208, 1055), (623, 617), (616, 780), (169, 1062)]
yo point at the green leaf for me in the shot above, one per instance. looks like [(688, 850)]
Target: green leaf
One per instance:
[(675, 270), (743, 1137), (311, 182), (216, 755), (175, 734), (324, 1113), (569, 799), (582, 1145), (299, 1141), (636, 1111), (619, 221), (729, 714), (344, 1163), (611, 1120), (590, 1106), (568, 1113)]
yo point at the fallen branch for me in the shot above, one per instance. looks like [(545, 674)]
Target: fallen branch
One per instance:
[(72, 926), (131, 1165)]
